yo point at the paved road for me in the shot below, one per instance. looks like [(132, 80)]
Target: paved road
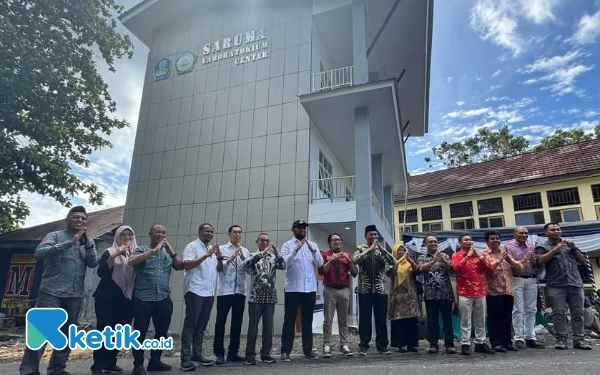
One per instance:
[(548, 362)]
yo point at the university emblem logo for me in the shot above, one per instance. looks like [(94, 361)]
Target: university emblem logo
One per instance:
[(162, 68), (186, 62)]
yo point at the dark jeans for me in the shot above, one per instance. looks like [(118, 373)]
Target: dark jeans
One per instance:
[(370, 305), (256, 311), (306, 303), (109, 313), (30, 364), (434, 308), (160, 312), (235, 303), (197, 314), (404, 332)]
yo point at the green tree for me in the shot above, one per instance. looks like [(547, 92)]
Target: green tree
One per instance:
[(566, 137), (485, 145), (55, 108)]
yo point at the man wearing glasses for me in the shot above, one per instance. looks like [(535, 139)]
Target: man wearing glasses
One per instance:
[(336, 270), (262, 267)]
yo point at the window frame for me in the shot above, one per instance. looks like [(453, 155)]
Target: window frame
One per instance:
[(553, 201), (479, 202), (541, 203), (530, 213), (410, 228), (487, 218), (325, 175), (461, 203), (463, 220), (562, 215), (598, 212), (595, 192), (429, 224), (441, 216), (402, 216)]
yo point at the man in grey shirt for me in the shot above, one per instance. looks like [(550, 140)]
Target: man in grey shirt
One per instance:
[(66, 255), (564, 285)]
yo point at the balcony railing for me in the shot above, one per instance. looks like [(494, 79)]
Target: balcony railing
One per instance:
[(332, 79), (335, 189)]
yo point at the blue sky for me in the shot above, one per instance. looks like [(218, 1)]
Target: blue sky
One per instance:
[(530, 64)]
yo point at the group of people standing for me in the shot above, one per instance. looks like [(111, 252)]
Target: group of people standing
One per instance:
[(135, 287)]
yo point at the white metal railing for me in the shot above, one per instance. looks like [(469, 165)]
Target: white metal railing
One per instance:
[(334, 189), (332, 79)]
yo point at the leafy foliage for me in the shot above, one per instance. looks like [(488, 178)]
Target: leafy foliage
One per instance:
[(495, 144), (55, 108)]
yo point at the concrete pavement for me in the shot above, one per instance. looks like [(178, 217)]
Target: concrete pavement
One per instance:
[(548, 362)]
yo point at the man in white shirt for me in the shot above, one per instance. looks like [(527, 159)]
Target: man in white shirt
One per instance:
[(231, 295), (200, 264), (301, 257)]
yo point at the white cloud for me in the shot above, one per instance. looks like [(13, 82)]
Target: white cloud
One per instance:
[(450, 79), (498, 99), (543, 130), (498, 20), (495, 87), (540, 11), (560, 71), (468, 113), (588, 29), (572, 111), (460, 104), (591, 113), (496, 73)]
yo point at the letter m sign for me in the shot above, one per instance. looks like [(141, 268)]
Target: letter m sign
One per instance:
[(19, 281)]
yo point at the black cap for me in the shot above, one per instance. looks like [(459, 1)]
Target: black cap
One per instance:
[(299, 223), (77, 209), (370, 228)]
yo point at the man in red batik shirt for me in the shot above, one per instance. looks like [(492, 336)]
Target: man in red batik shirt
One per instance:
[(470, 288), (336, 270)]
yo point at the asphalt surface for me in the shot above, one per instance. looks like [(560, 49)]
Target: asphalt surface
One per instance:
[(530, 361)]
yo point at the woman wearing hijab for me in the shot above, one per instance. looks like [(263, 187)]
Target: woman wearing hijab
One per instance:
[(403, 310), (113, 296)]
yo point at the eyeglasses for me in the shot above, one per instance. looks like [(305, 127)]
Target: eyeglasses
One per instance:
[(264, 240)]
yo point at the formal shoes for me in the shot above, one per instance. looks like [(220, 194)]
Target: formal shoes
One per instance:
[(465, 349), (511, 348), (433, 350), (534, 345), (450, 350), (520, 345), (484, 348), (220, 360), (499, 349)]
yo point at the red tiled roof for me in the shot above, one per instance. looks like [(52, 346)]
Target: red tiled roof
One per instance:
[(566, 161), (99, 222)]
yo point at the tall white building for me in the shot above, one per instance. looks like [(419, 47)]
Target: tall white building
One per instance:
[(260, 112)]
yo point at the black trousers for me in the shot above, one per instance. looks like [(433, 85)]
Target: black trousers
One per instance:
[(370, 305), (256, 311), (109, 313), (404, 332), (499, 312), (160, 312), (197, 314), (306, 303), (434, 308), (236, 303)]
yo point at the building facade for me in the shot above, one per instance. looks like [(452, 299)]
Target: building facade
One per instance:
[(257, 113), (560, 185)]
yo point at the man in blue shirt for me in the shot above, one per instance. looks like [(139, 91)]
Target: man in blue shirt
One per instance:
[(301, 257), (152, 294), (66, 255)]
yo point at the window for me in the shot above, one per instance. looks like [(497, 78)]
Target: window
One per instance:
[(530, 218), (563, 197), (409, 229), (431, 213), (567, 215), (463, 224), (491, 222), (596, 192), (411, 216), (325, 175), (489, 206), (463, 209), (524, 202), (598, 212), (432, 227)]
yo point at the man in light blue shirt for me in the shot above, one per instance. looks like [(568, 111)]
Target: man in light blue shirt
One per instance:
[(302, 258)]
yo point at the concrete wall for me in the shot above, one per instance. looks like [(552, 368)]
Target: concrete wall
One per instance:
[(225, 143)]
